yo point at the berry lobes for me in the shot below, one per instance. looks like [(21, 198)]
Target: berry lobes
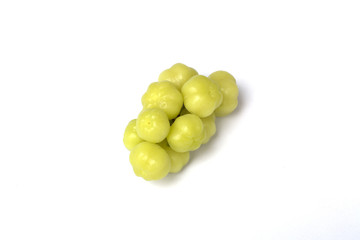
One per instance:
[(163, 95), (178, 74), (186, 133), (178, 116), (230, 91), (178, 159), (201, 96), (150, 161), (152, 125)]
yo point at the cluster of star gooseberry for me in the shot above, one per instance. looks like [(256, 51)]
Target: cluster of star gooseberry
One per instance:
[(178, 116)]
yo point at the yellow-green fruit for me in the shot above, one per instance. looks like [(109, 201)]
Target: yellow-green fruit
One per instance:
[(178, 74), (163, 95), (201, 96), (230, 91), (131, 138), (178, 159), (150, 161), (186, 133), (152, 125), (209, 127)]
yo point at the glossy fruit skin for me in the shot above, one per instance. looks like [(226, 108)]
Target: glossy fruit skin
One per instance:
[(150, 161), (163, 95), (230, 91), (186, 133), (201, 96), (209, 127), (152, 125), (178, 74), (131, 138), (178, 159)]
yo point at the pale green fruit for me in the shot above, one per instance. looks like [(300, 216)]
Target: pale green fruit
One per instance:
[(209, 127), (178, 159), (201, 96), (178, 74), (230, 91), (186, 133), (150, 161), (131, 138), (152, 125), (163, 95)]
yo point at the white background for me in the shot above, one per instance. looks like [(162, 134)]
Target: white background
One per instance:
[(285, 165)]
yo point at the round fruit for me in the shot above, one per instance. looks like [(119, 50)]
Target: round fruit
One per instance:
[(152, 125), (230, 91), (186, 133), (131, 138), (163, 95), (201, 96), (150, 161), (178, 74)]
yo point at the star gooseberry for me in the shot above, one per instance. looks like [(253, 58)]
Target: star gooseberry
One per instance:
[(178, 116)]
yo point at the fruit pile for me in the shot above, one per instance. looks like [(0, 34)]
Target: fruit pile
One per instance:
[(178, 116)]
